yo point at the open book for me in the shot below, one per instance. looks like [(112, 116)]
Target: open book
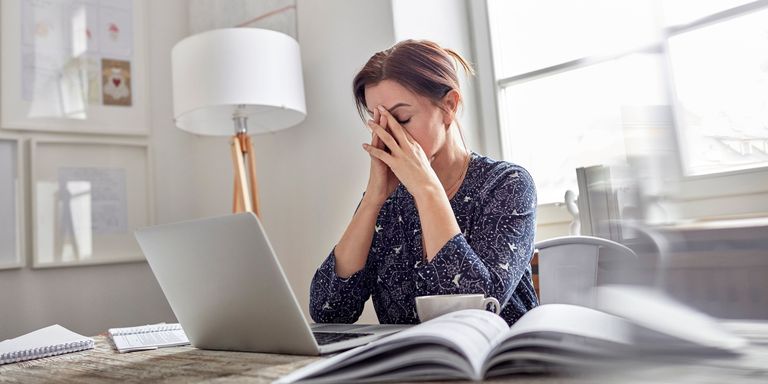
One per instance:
[(476, 344)]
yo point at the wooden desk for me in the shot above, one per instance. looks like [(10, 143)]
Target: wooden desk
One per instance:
[(170, 365), (189, 365)]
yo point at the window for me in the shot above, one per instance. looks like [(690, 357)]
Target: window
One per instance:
[(720, 74), (588, 82)]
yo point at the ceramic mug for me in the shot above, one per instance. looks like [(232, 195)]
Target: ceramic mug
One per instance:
[(429, 307)]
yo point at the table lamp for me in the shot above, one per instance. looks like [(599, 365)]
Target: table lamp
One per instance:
[(238, 82)]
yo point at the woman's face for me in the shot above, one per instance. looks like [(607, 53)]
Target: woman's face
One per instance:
[(417, 114)]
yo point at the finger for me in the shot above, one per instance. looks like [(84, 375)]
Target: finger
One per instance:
[(409, 136), (385, 136), (379, 154), (376, 141), (382, 120), (368, 124), (394, 126), (383, 123), (388, 142)]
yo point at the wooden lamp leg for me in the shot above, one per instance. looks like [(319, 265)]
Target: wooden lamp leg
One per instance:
[(242, 199), (252, 181)]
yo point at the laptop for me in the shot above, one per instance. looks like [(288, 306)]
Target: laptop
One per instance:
[(228, 291)]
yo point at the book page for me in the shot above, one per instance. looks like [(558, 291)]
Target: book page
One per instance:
[(462, 336), (573, 320), (471, 331), (658, 312), (558, 334), (433, 363)]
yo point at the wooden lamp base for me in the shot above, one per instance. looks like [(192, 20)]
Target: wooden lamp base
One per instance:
[(246, 193)]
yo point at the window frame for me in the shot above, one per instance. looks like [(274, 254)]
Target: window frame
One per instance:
[(709, 196)]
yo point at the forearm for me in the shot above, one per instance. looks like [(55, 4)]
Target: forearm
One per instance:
[(337, 300), (352, 250), (438, 222)]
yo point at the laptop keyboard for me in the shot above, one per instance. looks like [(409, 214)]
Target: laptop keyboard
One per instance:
[(324, 338)]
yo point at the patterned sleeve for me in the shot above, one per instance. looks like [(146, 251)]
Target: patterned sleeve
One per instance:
[(333, 299), (502, 235)]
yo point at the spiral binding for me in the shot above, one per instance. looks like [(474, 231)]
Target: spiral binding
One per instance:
[(144, 329), (49, 350)]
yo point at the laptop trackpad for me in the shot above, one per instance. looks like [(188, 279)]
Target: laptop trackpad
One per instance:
[(339, 327), (325, 338)]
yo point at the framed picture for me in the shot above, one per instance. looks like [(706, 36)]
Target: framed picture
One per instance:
[(11, 203), (74, 66), (87, 199)]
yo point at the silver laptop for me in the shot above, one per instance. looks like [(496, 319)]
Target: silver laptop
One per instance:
[(228, 291)]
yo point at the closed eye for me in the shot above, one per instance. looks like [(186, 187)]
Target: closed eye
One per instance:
[(402, 122)]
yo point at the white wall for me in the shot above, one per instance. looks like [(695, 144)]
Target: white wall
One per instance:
[(311, 176), (445, 22), (90, 299)]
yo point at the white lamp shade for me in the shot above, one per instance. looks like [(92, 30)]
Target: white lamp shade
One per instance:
[(249, 72)]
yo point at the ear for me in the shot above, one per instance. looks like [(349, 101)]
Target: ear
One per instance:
[(450, 105)]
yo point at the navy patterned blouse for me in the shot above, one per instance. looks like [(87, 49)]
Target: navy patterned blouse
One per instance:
[(495, 208)]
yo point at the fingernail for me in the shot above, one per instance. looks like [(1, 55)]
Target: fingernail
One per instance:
[(381, 108), (365, 146)]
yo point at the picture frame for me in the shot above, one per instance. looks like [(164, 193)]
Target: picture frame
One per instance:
[(54, 81), (12, 247), (88, 197)]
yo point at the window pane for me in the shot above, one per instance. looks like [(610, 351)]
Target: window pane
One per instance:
[(528, 35), (720, 77), (677, 12), (556, 124)]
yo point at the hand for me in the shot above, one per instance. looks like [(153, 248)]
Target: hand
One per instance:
[(405, 158), (381, 180)]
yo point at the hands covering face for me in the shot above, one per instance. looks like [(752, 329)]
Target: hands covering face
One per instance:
[(394, 146), (382, 181)]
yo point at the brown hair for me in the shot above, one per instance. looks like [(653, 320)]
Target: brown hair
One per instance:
[(421, 66)]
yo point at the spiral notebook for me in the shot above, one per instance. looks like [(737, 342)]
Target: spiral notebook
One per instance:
[(148, 337), (48, 341)]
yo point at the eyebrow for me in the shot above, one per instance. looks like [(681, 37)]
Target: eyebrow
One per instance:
[(396, 106)]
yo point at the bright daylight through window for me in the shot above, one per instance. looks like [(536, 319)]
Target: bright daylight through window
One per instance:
[(572, 90)]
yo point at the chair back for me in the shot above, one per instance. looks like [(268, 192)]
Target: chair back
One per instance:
[(568, 267)]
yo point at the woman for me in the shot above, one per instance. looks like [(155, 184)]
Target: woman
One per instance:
[(435, 218)]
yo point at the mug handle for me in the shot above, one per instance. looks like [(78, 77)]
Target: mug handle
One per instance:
[(496, 305)]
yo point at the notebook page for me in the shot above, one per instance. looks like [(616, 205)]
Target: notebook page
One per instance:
[(148, 337), (48, 341), (144, 328)]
